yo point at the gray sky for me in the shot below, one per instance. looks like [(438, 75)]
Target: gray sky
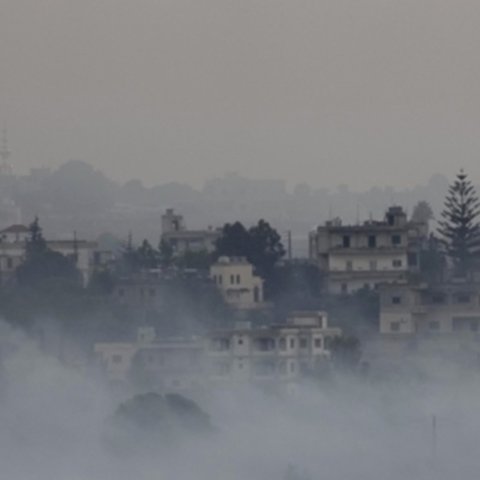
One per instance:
[(361, 92)]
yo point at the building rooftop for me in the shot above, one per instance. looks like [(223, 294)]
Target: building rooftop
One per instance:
[(15, 229)]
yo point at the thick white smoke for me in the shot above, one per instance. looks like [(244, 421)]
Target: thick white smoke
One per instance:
[(53, 421)]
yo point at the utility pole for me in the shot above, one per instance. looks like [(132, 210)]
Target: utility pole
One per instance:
[(289, 237)]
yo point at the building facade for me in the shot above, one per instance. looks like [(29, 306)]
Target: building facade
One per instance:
[(274, 354), (182, 240), (449, 308), (367, 255), (277, 353), (235, 279)]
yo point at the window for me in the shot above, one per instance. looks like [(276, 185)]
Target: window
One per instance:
[(292, 343), (220, 279), (9, 263), (346, 241), (373, 265), (303, 343), (396, 300), (232, 279), (438, 298), (396, 263), (344, 288), (434, 325), (240, 341), (238, 279), (396, 239), (412, 259), (318, 343), (282, 343), (372, 241), (349, 265), (463, 298), (220, 344), (265, 344), (117, 359), (395, 326)]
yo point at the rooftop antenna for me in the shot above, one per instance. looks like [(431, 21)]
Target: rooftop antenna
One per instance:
[(5, 153), (329, 211)]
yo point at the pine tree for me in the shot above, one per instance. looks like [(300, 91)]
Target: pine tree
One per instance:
[(459, 228)]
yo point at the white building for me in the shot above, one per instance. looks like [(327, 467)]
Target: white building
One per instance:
[(273, 354), (176, 234), (235, 279), (367, 255), (277, 353), (13, 241)]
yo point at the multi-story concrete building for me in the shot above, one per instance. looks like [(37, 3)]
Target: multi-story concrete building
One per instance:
[(181, 239), (376, 252), (275, 353), (424, 310), (235, 279), (440, 321)]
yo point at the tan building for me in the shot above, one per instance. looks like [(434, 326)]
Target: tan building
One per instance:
[(277, 353), (367, 255), (240, 287)]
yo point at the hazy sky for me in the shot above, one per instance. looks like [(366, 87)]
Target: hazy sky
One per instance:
[(361, 92)]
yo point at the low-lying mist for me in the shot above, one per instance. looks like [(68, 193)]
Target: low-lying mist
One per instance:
[(54, 423)]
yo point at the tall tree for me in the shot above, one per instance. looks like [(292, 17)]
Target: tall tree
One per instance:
[(36, 244), (266, 248), (43, 267), (459, 228), (260, 244), (235, 241)]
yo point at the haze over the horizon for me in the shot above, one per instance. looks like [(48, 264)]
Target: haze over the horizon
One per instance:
[(329, 92)]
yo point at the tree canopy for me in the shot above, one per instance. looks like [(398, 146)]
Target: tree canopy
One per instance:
[(260, 244), (43, 266), (422, 212)]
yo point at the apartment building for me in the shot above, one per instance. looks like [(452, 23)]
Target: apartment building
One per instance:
[(235, 279), (274, 354), (449, 308), (277, 353), (181, 239), (366, 255)]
